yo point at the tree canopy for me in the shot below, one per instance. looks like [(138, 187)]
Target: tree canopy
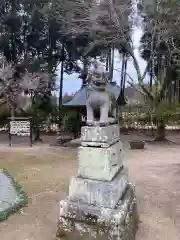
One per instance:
[(38, 36)]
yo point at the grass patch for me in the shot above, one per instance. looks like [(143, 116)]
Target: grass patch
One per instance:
[(37, 170)]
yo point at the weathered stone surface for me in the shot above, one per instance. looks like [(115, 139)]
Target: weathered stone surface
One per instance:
[(82, 221), (110, 121), (100, 163), (102, 136), (99, 193), (101, 202), (99, 96)]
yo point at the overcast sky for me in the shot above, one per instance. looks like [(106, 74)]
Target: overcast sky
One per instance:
[(71, 82)]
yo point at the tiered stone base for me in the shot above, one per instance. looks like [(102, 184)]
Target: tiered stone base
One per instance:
[(83, 221), (101, 203)]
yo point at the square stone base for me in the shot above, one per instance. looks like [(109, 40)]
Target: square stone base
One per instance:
[(98, 193), (82, 221), (103, 136)]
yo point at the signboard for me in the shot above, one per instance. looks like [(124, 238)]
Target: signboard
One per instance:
[(20, 127)]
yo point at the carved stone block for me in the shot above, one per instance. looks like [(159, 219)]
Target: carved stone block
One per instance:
[(99, 193), (100, 163), (100, 136)]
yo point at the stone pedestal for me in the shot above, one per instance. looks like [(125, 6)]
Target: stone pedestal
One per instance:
[(100, 163), (101, 203)]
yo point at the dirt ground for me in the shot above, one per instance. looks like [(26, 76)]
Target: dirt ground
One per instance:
[(45, 172)]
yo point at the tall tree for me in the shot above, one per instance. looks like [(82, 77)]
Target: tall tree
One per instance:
[(110, 21), (162, 57)]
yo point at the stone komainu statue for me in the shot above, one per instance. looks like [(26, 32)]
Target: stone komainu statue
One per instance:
[(100, 98)]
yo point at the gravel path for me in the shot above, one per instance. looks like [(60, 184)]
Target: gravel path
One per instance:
[(155, 171)]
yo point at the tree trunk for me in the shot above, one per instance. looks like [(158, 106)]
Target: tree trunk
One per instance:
[(61, 84), (13, 36), (12, 112), (37, 133), (121, 98), (151, 76), (175, 90), (179, 91), (109, 59), (122, 71), (107, 63), (111, 65), (36, 124), (61, 79), (161, 131), (85, 71), (125, 71)]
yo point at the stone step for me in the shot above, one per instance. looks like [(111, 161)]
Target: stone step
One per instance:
[(100, 163), (99, 193)]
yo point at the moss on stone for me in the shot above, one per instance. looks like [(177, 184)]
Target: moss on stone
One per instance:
[(22, 198)]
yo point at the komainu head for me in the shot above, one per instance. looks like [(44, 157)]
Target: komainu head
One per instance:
[(98, 80)]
